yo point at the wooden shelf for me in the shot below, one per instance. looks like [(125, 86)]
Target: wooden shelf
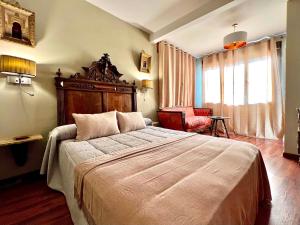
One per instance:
[(12, 141), (19, 148)]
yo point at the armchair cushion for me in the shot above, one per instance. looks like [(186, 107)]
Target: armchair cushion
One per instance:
[(195, 123)]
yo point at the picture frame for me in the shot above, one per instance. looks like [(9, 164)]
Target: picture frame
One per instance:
[(16, 23), (145, 63)]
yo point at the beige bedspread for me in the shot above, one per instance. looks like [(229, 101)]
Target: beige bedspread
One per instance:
[(193, 180)]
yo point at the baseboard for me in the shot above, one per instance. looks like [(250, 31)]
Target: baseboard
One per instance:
[(6, 183), (291, 156)]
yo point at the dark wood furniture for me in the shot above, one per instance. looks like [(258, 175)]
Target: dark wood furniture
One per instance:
[(292, 156), (19, 148), (186, 118), (214, 126), (98, 90)]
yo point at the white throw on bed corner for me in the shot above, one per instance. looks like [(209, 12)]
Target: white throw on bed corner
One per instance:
[(54, 171), (50, 156)]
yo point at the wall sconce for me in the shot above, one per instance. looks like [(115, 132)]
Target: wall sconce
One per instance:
[(18, 70), (147, 84)]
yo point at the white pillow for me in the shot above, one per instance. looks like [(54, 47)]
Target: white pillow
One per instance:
[(130, 121), (95, 125)]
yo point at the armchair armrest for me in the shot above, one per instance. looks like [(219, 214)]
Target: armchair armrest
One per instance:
[(174, 120), (203, 112)]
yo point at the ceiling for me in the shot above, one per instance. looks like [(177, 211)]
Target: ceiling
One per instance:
[(148, 15), (198, 26)]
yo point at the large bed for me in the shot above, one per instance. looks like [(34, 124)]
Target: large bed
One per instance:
[(151, 175)]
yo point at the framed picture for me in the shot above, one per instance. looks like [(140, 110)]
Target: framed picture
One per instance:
[(16, 23), (145, 65)]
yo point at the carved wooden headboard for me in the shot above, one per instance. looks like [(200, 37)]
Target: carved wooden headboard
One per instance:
[(98, 90)]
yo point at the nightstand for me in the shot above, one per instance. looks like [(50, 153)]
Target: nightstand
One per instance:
[(19, 148)]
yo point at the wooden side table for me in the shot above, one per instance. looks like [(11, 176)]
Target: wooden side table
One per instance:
[(19, 148), (214, 127)]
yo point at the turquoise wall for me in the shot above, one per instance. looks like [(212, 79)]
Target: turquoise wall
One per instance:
[(198, 89)]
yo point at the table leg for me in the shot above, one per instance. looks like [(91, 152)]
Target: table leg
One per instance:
[(223, 121), (212, 127), (216, 129)]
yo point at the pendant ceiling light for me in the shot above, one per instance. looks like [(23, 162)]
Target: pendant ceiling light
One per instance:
[(235, 40)]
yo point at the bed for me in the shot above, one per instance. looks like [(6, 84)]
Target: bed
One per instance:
[(151, 175)]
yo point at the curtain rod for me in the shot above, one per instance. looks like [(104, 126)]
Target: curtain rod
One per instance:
[(281, 35), (176, 48), (173, 46)]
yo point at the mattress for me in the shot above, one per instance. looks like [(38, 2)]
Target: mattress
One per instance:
[(71, 152), (84, 150)]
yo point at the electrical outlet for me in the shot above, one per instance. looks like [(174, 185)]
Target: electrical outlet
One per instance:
[(17, 80), (12, 79), (26, 80)]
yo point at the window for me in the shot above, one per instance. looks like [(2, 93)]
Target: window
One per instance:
[(240, 88), (244, 85), (234, 85), (212, 86), (259, 81)]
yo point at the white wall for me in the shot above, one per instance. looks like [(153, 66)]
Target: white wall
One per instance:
[(292, 75), (70, 34)]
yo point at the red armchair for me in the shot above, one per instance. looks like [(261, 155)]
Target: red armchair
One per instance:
[(185, 118)]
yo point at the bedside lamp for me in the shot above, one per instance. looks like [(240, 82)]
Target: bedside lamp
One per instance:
[(147, 84), (18, 70)]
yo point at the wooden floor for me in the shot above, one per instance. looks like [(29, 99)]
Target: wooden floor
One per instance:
[(33, 203)]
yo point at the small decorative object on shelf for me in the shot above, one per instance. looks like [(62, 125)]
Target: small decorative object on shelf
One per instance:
[(20, 138)]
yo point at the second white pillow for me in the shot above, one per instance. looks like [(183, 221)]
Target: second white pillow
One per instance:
[(130, 121)]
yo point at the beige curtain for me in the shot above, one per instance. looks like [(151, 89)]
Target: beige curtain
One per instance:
[(176, 76), (245, 85)]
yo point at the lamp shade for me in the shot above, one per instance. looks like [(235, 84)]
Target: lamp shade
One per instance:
[(235, 40), (10, 65), (147, 84)]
